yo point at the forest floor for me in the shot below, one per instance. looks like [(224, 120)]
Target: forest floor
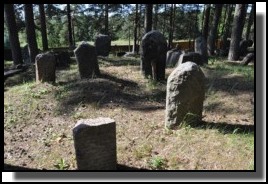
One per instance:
[(38, 119)]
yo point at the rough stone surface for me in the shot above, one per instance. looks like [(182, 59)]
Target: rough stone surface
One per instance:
[(45, 67), (103, 45), (95, 144), (153, 55), (247, 59), (201, 48), (87, 60), (190, 56), (173, 57), (185, 93)]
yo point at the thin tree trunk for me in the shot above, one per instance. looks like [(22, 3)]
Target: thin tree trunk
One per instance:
[(69, 26), (213, 31), (170, 33), (203, 17), (106, 19), (206, 21), (237, 28), (155, 17), (250, 21), (13, 34), (148, 17), (73, 30), (43, 27), (164, 25), (224, 20), (134, 49), (30, 31), (227, 28)]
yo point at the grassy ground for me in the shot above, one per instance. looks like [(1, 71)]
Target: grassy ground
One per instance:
[(38, 119)]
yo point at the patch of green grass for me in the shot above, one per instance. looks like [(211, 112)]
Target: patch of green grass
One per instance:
[(61, 164), (157, 162), (143, 151)]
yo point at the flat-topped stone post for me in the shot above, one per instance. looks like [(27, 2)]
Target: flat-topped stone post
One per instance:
[(95, 144)]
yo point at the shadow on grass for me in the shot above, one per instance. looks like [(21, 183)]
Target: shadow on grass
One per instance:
[(26, 76), (120, 167), (224, 127), (223, 79), (107, 91), (118, 61)]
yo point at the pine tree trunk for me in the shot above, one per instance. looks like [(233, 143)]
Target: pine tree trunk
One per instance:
[(106, 19), (135, 49), (69, 26), (170, 35), (43, 27), (30, 31), (148, 17), (155, 17), (13, 34), (206, 21), (237, 28), (250, 21), (227, 28), (213, 31)]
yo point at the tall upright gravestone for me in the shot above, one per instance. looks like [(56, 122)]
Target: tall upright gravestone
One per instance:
[(103, 45), (201, 48), (87, 60), (185, 93), (153, 55), (95, 144), (45, 67)]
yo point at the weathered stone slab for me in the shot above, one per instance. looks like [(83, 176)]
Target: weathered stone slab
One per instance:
[(87, 60), (45, 67), (185, 93), (95, 144)]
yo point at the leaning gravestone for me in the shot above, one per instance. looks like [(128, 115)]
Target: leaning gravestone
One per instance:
[(95, 144), (153, 55), (45, 67), (87, 60), (201, 48), (190, 56), (185, 93), (173, 57), (103, 45)]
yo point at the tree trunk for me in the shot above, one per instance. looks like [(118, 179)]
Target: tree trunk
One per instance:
[(206, 21), (224, 19), (43, 27), (135, 49), (30, 31), (106, 29), (202, 21), (213, 31), (237, 28), (170, 34), (69, 26), (164, 24), (13, 34), (148, 17), (250, 20), (155, 16), (227, 23)]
